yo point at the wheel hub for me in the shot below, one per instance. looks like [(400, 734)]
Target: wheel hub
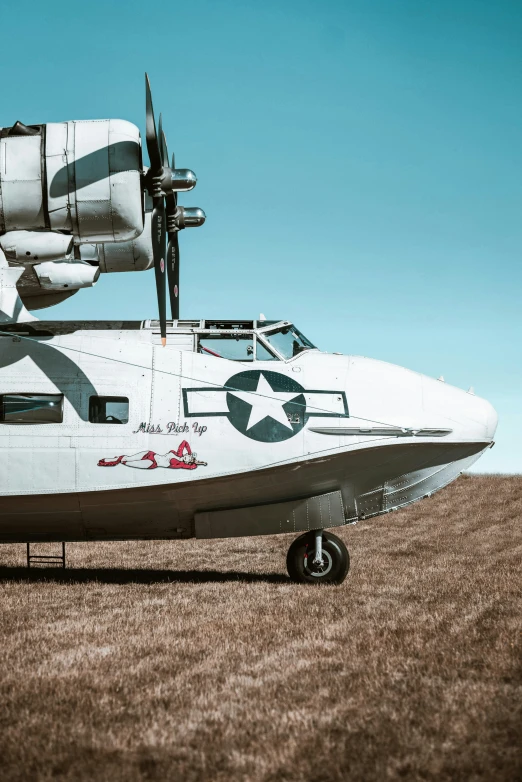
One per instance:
[(318, 569)]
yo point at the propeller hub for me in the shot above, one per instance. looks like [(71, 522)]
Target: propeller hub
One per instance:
[(168, 181), (185, 217), (178, 180), (194, 216)]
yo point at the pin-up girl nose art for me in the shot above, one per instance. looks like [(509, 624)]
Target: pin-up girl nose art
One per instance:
[(181, 459)]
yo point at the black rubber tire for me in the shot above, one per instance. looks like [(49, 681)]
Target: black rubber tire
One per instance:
[(335, 557)]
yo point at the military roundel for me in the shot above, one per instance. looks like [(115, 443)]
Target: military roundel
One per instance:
[(265, 406)]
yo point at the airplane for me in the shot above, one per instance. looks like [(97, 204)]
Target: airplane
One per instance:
[(173, 429)]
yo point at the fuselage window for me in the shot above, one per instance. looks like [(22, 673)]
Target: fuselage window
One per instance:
[(235, 347), (108, 410), (31, 408)]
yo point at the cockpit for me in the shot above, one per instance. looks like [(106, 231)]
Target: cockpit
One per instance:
[(261, 340), (235, 340)]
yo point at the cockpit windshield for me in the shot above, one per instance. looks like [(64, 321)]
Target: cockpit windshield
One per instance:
[(288, 341)]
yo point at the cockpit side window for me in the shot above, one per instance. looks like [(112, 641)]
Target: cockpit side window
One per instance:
[(288, 341), (235, 347), (263, 353)]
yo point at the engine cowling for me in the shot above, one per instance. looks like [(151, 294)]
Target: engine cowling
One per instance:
[(133, 256), (30, 246), (82, 177)]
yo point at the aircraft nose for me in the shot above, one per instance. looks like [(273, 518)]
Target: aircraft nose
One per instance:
[(491, 419), (477, 418), (471, 417)]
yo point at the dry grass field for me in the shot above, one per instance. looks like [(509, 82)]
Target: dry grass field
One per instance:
[(201, 661)]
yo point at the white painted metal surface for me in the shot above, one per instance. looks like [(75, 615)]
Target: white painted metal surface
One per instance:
[(29, 247), (82, 177), (66, 274), (21, 196), (131, 256), (12, 309), (234, 415), (93, 179)]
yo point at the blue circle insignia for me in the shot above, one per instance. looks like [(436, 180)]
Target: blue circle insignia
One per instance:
[(266, 406)]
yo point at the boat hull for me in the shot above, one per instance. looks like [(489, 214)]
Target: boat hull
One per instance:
[(373, 480)]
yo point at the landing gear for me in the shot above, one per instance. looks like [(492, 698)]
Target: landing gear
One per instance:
[(318, 557)]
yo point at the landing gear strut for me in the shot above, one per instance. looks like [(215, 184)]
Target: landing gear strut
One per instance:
[(318, 557)]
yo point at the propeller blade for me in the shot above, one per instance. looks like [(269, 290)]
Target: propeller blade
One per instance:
[(158, 251), (171, 202), (163, 145), (173, 273), (150, 132), (173, 167), (162, 182)]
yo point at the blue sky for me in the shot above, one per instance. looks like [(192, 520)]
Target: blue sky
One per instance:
[(359, 162)]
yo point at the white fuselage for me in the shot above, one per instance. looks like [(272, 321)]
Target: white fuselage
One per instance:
[(198, 422)]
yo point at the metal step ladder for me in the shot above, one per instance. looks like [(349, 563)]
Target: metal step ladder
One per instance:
[(45, 559)]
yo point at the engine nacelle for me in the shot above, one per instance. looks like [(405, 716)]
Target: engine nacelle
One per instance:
[(66, 274), (31, 246), (82, 177), (134, 256)]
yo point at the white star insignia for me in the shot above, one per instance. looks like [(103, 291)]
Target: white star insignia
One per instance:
[(264, 404)]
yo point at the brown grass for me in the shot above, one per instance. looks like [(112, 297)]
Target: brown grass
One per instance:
[(201, 661)]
